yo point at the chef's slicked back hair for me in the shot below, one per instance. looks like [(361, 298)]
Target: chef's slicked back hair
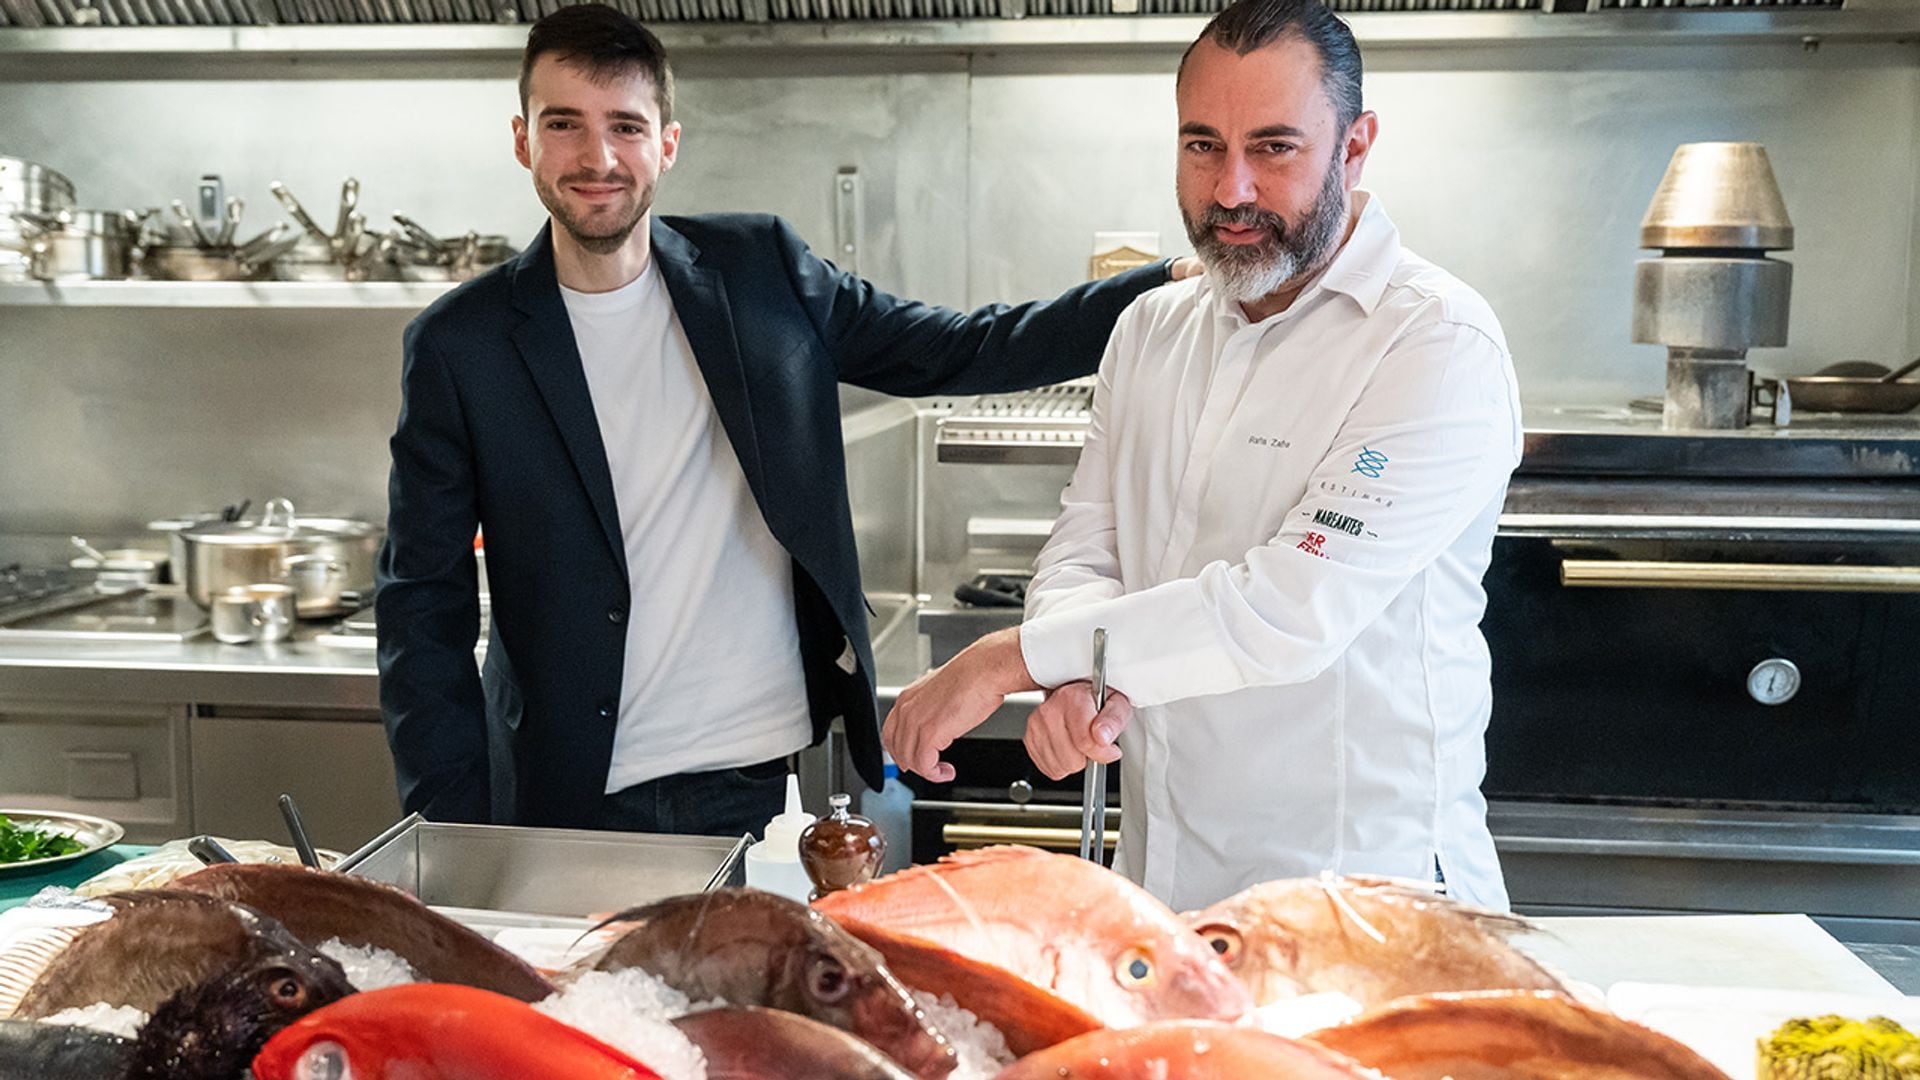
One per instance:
[(1247, 25), (606, 42)]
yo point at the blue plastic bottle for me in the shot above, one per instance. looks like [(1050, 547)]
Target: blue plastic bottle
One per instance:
[(891, 809)]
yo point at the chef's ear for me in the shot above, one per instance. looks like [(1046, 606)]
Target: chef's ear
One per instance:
[(521, 153), (669, 145), (1359, 142)]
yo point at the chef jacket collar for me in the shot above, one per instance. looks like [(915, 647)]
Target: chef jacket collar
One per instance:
[(1359, 270)]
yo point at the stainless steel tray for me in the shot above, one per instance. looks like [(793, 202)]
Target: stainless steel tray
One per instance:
[(564, 873)]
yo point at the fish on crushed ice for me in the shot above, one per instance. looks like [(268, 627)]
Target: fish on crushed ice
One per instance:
[(773, 1044), (1184, 1050), (1063, 924), (434, 1031), (161, 942), (1371, 939), (748, 947), (318, 905), (1510, 1035)]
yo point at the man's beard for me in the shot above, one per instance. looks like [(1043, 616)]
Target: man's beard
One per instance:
[(604, 237), (1248, 272)]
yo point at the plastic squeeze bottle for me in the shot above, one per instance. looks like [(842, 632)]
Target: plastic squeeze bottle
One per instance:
[(773, 864)]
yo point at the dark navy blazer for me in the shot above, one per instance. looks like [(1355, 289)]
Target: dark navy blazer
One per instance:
[(497, 430)]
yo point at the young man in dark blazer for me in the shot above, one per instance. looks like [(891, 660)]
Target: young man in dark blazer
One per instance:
[(642, 416)]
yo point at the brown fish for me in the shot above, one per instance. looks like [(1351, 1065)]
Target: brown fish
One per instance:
[(212, 1031), (769, 1044), (747, 947), (1064, 924), (1367, 938), (1184, 1050), (319, 904), (1510, 1035), (162, 941)]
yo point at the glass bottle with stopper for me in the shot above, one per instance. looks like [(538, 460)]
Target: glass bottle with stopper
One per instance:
[(842, 849)]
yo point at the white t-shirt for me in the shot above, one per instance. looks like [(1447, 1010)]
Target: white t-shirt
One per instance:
[(712, 677)]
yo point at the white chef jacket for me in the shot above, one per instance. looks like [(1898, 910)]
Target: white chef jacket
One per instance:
[(1283, 526)]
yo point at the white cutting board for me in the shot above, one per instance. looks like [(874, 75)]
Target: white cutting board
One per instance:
[(1725, 1025), (1760, 952)]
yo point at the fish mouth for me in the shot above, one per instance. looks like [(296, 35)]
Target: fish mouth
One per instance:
[(900, 1030)]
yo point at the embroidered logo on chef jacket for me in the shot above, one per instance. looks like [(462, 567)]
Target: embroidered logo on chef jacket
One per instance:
[(1311, 545), (1333, 519), (1370, 464), (1348, 491)]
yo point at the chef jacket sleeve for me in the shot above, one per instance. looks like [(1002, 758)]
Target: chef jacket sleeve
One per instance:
[(428, 603), (912, 349), (1425, 450), (1080, 564)]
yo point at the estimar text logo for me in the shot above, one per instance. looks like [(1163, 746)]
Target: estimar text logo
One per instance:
[(1370, 464)]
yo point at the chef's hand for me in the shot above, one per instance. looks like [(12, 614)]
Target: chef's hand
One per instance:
[(953, 699), (1184, 267), (1063, 734)]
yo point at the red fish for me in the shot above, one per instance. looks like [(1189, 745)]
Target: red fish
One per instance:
[(434, 1031), (1184, 1050), (1064, 924), (1510, 1035)]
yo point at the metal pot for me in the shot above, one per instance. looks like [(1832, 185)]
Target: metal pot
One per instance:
[(81, 245), (221, 555), (26, 188)]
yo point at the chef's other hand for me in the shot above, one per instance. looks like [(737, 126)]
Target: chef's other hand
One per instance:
[(951, 700), (1185, 267), (1063, 734)]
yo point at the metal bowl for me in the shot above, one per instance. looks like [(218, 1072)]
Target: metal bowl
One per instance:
[(94, 834), (1852, 394)]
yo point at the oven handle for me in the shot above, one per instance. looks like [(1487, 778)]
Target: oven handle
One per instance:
[(1672, 849), (961, 834), (1772, 577)]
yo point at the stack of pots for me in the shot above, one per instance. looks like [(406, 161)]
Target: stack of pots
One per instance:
[(327, 561), (26, 189)]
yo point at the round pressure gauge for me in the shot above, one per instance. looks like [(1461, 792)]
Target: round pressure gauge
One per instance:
[(1773, 681)]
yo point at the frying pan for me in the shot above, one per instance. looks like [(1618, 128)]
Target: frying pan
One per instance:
[(1856, 393)]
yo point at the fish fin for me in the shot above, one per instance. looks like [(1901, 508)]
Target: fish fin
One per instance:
[(27, 958), (1031, 1017), (995, 854)]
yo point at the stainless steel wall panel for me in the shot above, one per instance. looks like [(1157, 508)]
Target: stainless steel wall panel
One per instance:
[(1526, 175)]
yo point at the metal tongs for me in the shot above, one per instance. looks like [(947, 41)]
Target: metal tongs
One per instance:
[(1093, 797)]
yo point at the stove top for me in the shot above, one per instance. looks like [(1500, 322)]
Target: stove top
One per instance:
[(85, 612)]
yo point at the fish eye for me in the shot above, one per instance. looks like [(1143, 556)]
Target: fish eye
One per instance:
[(288, 991), (827, 979), (323, 1061), (1224, 940), (1135, 969)]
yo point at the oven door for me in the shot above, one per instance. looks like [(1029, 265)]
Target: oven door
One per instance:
[(1685, 720)]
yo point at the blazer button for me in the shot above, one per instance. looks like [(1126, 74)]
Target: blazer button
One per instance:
[(616, 615), (606, 711)]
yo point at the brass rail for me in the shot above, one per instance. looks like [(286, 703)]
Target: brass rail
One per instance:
[(963, 835), (1772, 577)]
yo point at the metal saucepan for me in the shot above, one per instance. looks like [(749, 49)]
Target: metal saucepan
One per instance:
[(221, 555), (1856, 393), (81, 245)]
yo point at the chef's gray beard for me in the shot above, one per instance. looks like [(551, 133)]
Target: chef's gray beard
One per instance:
[(1249, 272)]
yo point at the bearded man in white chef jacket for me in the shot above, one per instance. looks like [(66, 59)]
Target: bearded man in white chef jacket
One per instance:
[(1282, 516)]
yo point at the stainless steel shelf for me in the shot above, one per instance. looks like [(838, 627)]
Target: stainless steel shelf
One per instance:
[(388, 295), (72, 48)]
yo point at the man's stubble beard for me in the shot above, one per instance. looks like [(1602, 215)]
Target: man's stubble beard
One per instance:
[(1249, 272), (605, 241)]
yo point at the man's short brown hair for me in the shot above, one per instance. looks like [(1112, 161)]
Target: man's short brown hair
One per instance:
[(604, 41)]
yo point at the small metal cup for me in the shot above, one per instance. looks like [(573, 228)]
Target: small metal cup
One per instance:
[(247, 613), (318, 582)]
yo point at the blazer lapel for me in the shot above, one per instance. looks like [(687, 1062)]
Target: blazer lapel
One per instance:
[(546, 345), (700, 300)]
